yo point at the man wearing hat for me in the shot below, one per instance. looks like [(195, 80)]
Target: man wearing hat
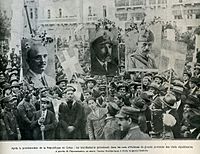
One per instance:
[(61, 86), (90, 85), (43, 123), (101, 100), (194, 85), (10, 120), (102, 61), (158, 79), (37, 60), (111, 128), (26, 110), (71, 116), (128, 122), (141, 58), (122, 90), (172, 129), (191, 106)]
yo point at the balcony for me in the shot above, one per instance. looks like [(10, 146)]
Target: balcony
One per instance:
[(92, 18), (188, 22), (53, 21)]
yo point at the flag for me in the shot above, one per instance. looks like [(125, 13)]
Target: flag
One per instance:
[(173, 56), (69, 61)]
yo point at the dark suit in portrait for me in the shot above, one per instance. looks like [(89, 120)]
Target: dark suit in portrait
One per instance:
[(104, 57)]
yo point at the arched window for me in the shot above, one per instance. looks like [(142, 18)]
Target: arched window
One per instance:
[(31, 13), (60, 13), (89, 11), (48, 14), (104, 11), (36, 13)]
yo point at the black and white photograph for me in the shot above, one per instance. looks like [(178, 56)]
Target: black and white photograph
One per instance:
[(99, 70)]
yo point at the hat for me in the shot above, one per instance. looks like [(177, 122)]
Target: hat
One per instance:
[(113, 107), (6, 86), (177, 89), (127, 112), (102, 37), (158, 103), (148, 78), (61, 79), (90, 79), (15, 85), (44, 99), (197, 66), (195, 80), (158, 76), (139, 103), (193, 101), (146, 96), (146, 36), (188, 74), (154, 85), (69, 88), (122, 84), (169, 100), (135, 84), (44, 89), (193, 117), (14, 78)]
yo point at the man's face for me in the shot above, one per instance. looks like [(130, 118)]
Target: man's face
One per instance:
[(90, 84), (132, 89), (38, 58), (86, 95), (43, 105), (69, 95), (92, 104), (102, 51), (186, 108), (152, 90), (145, 47), (122, 90), (185, 77), (15, 89), (44, 93), (157, 80), (62, 85), (145, 82), (192, 84), (123, 124)]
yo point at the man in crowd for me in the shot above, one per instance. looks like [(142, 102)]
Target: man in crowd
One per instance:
[(71, 116), (43, 123), (128, 121)]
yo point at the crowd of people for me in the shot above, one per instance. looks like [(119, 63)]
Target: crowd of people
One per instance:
[(134, 106), (126, 105)]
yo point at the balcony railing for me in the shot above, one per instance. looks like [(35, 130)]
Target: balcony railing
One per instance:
[(66, 20)]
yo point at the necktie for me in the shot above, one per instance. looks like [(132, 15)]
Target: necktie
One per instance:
[(104, 66), (44, 82)]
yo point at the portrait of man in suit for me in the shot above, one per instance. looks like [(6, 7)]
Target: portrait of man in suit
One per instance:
[(37, 57), (103, 55)]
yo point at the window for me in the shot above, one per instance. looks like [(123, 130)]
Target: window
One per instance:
[(104, 12), (60, 13), (36, 13), (89, 11), (48, 14), (31, 13)]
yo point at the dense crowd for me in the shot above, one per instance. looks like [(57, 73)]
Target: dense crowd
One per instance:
[(138, 105)]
